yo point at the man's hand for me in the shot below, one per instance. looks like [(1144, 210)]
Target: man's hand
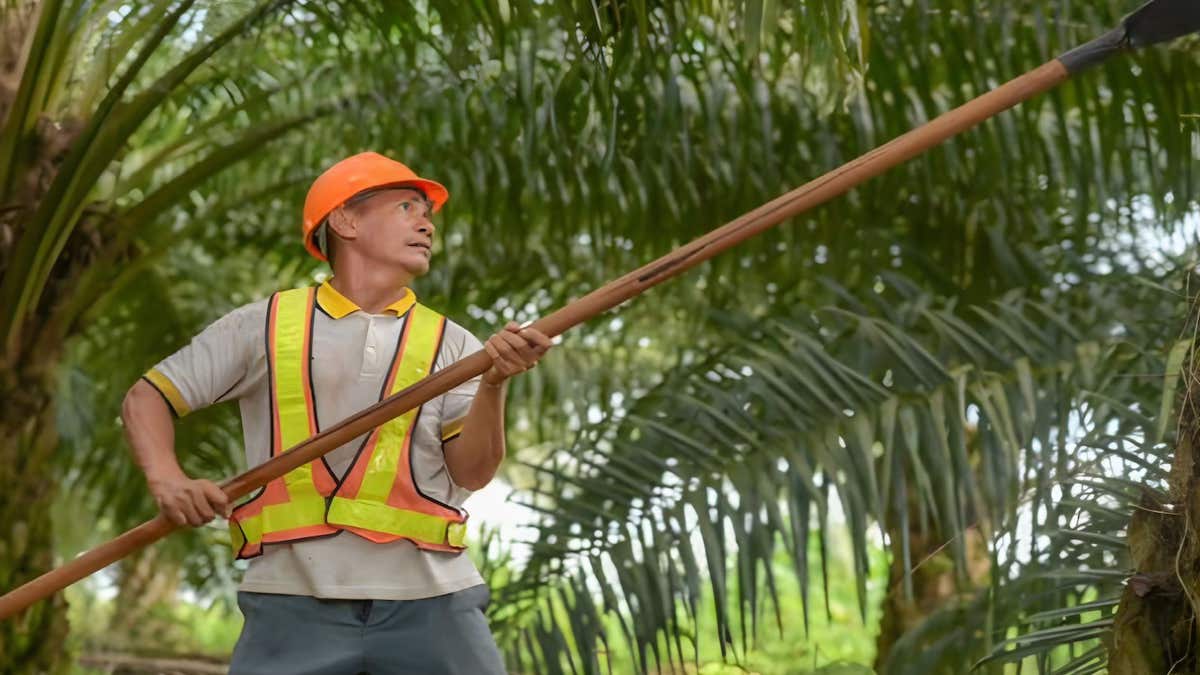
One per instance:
[(514, 350), (188, 501)]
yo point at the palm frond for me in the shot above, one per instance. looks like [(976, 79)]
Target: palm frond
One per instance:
[(836, 405)]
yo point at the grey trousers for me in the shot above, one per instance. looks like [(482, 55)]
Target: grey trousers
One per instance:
[(301, 635)]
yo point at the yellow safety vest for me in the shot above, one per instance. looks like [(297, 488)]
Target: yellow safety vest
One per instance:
[(377, 498)]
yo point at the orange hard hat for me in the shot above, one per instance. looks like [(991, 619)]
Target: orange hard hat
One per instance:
[(349, 177)]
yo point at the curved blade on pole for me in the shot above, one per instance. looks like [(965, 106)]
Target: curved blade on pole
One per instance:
[(1157, 21), (1154, 22), (1161, 21)]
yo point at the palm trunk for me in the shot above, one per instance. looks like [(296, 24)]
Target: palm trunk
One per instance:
[(935, 583), (146, 580), (33, 641), (1156, 625), (936, 580)]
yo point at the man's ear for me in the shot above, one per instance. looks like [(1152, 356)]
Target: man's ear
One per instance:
[(343, 223)]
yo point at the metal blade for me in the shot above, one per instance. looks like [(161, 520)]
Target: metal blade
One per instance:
[(1162, 20), (1154, 22)]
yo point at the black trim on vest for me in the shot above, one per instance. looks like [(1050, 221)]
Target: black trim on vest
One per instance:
[(271, 372), (411, 470), (263, 545), (337, 488), (312, 389), (383, 391), (270, 428), (307, 363), (241, 552)]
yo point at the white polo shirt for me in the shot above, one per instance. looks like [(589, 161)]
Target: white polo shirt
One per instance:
[(352, 353)]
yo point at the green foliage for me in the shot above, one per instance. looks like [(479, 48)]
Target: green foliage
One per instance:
[(179, 627), (892, 403)]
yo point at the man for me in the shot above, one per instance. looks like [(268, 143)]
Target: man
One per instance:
[(356, 559)]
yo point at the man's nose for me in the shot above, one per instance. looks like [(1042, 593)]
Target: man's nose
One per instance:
[(425, 226)]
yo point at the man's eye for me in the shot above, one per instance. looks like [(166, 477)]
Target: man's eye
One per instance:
[(406, 206)]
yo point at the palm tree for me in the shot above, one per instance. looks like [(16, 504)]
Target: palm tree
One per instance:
[(112, 116), (580, 140)]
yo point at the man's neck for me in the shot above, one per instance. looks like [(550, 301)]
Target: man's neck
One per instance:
[(372, 289)]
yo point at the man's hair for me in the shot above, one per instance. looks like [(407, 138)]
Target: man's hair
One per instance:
[(321, 239)]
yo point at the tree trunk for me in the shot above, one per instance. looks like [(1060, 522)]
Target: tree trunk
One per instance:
[(147, 579), (1155, 629), (935, 584), (31, 642)]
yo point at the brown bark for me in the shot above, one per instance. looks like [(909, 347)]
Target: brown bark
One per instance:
[(1154, 626), (1155, 629), (935, 583), (33, 642)]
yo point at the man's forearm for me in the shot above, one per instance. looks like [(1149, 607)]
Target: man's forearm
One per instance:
[(150, 431), (475, 455)]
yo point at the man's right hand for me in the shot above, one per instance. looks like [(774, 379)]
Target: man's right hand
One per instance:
[(188, 501)]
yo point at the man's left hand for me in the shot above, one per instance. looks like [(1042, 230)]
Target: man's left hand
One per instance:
[(514, 350)]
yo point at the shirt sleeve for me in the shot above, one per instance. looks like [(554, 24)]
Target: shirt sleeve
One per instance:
[(209, 368), (457, 344)]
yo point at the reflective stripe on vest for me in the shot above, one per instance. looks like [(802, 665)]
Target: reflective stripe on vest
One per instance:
[(291, 507), (377, 498)]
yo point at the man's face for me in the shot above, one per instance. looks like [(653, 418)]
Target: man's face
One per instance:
[(394, 228)]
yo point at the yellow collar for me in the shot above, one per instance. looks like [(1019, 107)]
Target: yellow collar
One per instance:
[(337, 305)]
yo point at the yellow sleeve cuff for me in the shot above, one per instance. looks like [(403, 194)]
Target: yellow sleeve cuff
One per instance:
[(168, 391), (452, 429)]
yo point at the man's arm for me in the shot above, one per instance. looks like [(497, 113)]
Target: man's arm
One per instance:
[(473, 457), (150, 430)]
